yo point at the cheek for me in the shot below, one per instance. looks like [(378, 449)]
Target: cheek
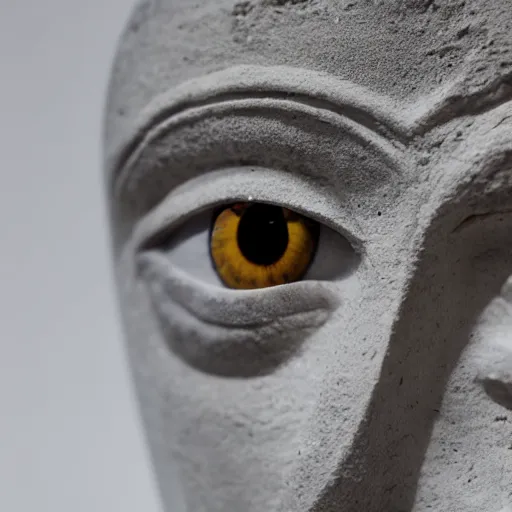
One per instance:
[(227, 435), (267, 434)]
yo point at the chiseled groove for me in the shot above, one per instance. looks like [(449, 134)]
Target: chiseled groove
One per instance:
[(459, 104), (475, 218), (353, 113)]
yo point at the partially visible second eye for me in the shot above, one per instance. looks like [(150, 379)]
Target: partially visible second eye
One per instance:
[(255, 245)]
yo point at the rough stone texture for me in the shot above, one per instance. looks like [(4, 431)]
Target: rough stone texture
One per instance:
[(382, 382)]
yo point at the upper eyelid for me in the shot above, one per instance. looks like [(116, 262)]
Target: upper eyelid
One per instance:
[(181, 205), (389, 152), (161, 156), (391, 155), (338, 159)]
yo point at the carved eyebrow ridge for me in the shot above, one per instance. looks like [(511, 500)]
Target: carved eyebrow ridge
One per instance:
[(302, 87)]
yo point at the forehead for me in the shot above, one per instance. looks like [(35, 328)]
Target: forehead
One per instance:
[(399, 48)]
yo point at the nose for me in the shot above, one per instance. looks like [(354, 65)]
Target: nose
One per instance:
[(456, 276)]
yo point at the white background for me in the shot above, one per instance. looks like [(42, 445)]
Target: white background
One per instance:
[(69, 434)]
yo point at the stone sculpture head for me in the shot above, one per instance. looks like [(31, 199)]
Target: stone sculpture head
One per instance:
[(352, 388)]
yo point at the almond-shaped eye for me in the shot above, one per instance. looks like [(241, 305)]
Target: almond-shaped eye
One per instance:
[(255, 245)]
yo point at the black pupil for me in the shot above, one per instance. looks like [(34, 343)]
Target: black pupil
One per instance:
[(263, 234)]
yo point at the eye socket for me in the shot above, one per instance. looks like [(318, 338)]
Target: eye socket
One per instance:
[(256, 245)]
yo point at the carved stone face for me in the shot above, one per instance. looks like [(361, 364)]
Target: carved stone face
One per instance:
[(388, 123)]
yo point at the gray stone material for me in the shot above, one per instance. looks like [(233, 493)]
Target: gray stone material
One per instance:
[(381, 382)]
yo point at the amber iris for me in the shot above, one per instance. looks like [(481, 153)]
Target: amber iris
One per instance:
[(256, 245)]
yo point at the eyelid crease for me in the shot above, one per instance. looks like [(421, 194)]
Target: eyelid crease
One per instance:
[(306, 88)]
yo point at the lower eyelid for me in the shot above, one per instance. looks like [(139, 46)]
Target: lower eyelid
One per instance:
[(242, 308), (232, 352), (230, 333)]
